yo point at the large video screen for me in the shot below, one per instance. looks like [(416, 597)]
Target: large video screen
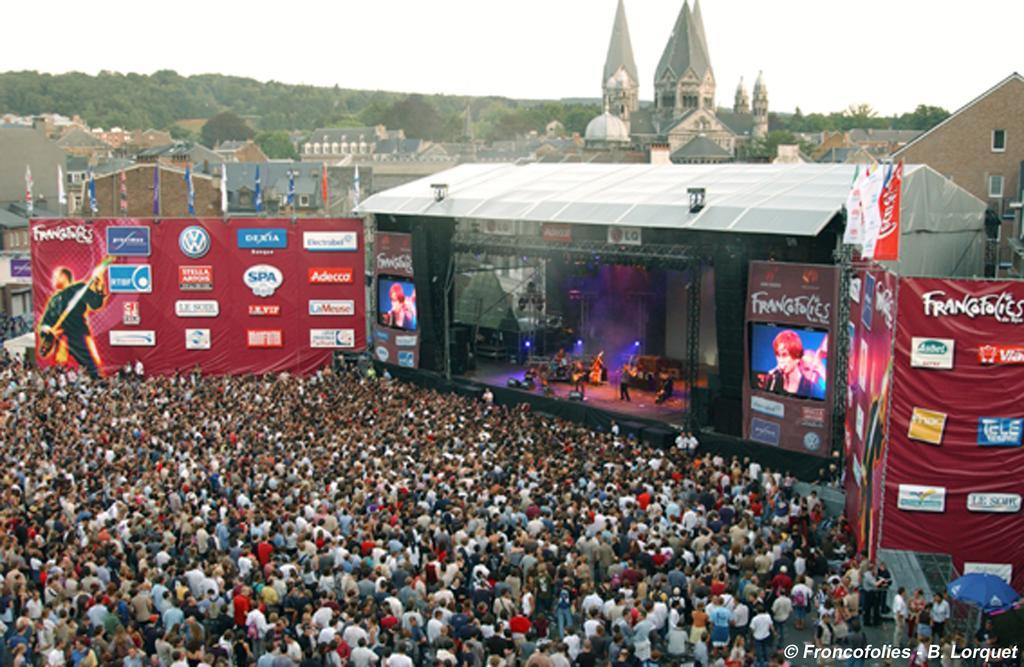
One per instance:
[(789, 361), (396, 303)]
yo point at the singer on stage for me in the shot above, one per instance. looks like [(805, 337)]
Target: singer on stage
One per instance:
[(795, 373)]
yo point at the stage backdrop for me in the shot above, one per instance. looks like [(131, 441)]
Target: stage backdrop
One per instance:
[(237, 296), (788, 380), (396, 323), (955, 465), (871, 328)]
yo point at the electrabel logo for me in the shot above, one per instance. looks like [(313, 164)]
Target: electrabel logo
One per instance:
[(330, 241), (128, 241), (262, 239), (320, 275), (130, 278), (1000, 431), (194, 242), (263, 279)]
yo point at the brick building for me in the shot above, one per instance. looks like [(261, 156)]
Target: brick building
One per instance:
[(139, 184)]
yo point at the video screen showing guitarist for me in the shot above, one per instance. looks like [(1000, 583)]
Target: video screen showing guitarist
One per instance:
[(64, 327)]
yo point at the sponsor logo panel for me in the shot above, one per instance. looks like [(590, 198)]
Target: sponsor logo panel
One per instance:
[(133, 338), (406, 341), (264, 338), (264, 310), (332, 338), (406, 358), (274, 238), (195, 278), (812, 441), (263, 279), (332, 307), (999, 355), (130, 278), (927, 426), (765, 432), (128, 241), (1000, 431), (194, 242), (767, 407), (78, 233), (205, 308), (329, 275), (917, 498), (197, 339), (932, 352), (130, 313), (383, 354), (1003, 503), (330, 241)]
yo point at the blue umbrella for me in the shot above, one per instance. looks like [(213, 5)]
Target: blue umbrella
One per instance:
[(982, 590)]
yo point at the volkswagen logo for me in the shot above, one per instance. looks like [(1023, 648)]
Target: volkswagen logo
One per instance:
[(194, 242)]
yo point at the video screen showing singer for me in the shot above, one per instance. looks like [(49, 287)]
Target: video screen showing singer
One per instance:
[(798, 371)]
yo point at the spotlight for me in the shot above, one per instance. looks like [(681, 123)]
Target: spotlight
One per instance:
[(579, 341), (528, 344), (636, 343)]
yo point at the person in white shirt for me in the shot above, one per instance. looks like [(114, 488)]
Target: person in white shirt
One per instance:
[(940, 614), (782, 607), (398, 658), (761, 631), (899, 617)]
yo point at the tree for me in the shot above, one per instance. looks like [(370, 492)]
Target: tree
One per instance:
[(277, 145), (767, 148), (924, 117), (225, 126), (181, 133)]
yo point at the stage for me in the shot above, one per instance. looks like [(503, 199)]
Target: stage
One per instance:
[(603, 397)]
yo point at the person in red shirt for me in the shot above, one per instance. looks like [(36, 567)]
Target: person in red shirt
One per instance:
[(263, 552), (782, 582), (519, 624), (242, 606)]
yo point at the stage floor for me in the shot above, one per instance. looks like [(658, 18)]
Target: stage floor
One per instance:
[(604, 396)]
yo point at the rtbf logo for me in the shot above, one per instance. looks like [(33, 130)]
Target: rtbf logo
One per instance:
[(320, 275)]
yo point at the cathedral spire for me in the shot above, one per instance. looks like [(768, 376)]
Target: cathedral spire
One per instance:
[(684, 80), (620, 48), (741, 104)]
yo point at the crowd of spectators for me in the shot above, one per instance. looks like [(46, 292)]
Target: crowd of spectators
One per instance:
[(341, 519)]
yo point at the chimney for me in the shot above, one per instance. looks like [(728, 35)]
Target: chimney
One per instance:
[(660, 154)]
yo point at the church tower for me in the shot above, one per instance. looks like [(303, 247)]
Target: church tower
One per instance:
[(741, 104), (760, 107), (684, 81), (621, 85)]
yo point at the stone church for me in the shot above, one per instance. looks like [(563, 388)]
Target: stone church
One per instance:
[(684, 115)]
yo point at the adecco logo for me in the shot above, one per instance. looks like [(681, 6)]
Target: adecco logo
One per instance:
[(932, 353), (263, 279), (332, 275)]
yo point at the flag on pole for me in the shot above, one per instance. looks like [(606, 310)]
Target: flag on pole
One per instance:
[(323, 185), (62, 197), (888, 246), (870, 196), (156, 189), (291, 187), (92, 194), (258, 199), (224, 189), (123, 196), (854, 231), (190, 190), (28, 189), (355, 189)]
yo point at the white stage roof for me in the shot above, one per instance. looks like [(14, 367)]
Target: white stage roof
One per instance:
[(790, 199)]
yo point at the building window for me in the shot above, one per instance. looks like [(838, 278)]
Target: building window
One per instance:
[(995, 187), (304, 201), (998, 141)]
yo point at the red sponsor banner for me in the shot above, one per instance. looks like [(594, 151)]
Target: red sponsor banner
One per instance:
[(979, 451), (329, 275), (556, 232), (790, 307), (1000, 355), (264, 338), (264, 310), (888, 246), (70, 258), (195, 278)]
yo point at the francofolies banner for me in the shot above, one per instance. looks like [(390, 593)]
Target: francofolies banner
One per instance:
[(243, 295), (396, 337), (789, 381)]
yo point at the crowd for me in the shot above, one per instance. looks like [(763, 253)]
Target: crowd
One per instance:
[(342, 519), (13, 326)]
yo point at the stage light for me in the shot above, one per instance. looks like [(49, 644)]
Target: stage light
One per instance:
[(579, 341), (636, 343), (528, 344)]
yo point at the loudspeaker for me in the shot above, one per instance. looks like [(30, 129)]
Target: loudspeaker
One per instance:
[(575, 396), (459, 350)]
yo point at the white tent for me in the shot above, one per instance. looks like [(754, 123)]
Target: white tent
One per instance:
[(942, 231), (25, 343)]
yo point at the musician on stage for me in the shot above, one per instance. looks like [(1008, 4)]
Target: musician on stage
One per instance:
[(579, 377), (624, 377), (597, 369), (64, 326), (666, 390)]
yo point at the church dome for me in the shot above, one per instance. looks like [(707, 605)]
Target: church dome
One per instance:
[(607, 127)]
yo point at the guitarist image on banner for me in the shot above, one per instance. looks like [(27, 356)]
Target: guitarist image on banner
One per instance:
[(64, 327)]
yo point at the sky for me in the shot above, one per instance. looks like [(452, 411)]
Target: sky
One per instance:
[(820, 55)]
